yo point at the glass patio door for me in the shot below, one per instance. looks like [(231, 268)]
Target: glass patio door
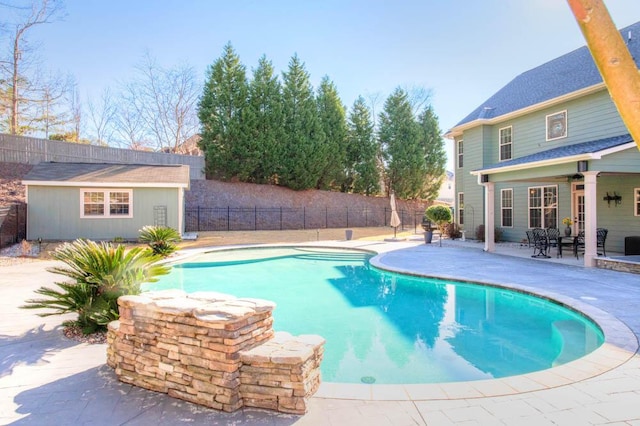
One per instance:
[(577, 208)]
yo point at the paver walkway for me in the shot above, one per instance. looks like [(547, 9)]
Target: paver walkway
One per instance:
[(48, 380)]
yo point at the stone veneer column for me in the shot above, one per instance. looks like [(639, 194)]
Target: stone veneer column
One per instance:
[(191, 346)]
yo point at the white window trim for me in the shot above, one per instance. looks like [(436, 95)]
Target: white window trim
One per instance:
[(502, 191), (460, 209), (107, 214), (636, 201), (500, 144), (544, 225), (459, 154), (566, 125)]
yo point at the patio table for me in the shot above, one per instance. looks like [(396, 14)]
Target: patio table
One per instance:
[(565, 241)]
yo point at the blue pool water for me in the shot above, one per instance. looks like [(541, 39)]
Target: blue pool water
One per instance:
[(383, 327)]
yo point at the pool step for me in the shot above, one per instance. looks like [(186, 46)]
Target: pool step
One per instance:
[(573, 337)]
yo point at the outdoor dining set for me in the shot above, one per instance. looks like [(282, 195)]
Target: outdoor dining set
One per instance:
[(543, 239)]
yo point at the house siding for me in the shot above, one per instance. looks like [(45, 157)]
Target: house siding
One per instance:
[(467, 183), (54, 214), (588, 118), (626, 161), (619, 220)]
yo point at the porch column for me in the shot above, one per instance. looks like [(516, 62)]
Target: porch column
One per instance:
[(590, 218), (489, 216)]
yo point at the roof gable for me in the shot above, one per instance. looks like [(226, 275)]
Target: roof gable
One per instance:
[(561, 76), (108, 174)]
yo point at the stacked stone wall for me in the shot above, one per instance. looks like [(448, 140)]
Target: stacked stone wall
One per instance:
[(214, 350)]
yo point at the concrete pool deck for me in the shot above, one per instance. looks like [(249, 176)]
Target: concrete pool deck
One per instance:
[(47, 379)]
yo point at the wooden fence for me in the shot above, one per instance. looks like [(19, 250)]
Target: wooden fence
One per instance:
[(26, 150), (13, 224)]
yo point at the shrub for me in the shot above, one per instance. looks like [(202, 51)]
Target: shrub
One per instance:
[(453, 231), (101, 273), (497, 234), (440, 215), (161, 239)]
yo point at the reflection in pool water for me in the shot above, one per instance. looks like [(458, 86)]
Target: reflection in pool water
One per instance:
[(383, 327)]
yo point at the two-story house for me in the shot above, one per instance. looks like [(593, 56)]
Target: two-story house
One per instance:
[(550, 145)]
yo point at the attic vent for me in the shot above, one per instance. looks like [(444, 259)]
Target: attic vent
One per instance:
[(629, 37)]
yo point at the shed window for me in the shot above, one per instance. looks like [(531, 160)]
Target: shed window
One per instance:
[(106, 203)]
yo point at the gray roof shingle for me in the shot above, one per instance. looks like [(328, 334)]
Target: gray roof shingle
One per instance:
[(565, 151), (568, 73), (109, 173)]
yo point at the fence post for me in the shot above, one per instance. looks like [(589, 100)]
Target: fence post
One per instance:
[(198, 220), (347, 216), (304, 217), (255, 218), (228, 219), (281, 218), (326, 217)]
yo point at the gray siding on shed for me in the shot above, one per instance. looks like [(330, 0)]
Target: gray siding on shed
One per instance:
[(54, 214)]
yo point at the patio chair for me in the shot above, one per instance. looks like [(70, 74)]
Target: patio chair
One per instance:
[(601, 234), (553, 234), (529, 237), (601, 238), (540, 243)]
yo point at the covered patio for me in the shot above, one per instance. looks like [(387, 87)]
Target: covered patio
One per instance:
[(583, 171)]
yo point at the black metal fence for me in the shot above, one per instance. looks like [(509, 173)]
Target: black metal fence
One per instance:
[(284, 218), (13, 224)]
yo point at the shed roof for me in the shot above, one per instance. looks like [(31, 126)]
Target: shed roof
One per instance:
[(94, 174), (561, 76)]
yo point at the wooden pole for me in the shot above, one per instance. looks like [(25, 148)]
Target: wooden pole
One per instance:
[(612, 57)]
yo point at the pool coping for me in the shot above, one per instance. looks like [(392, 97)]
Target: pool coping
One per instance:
[(620, 345)]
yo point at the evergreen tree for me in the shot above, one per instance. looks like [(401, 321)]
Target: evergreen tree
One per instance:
[(434, 153), (334, 127), (302, 167), (224, 139), (362, 152), (264, 121), (400, 143)]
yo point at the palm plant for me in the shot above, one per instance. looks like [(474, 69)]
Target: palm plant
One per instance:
[(101, 273), (161, 239)]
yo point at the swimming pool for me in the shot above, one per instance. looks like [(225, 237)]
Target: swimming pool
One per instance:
[(389, 328)]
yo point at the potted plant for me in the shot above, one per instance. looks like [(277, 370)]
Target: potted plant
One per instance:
[(440, 215), (567, 222)]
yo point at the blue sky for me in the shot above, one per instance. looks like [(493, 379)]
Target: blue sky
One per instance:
[(461, 50)]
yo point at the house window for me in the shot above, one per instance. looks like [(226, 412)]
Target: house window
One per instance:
[(505, 143), (636, 204), (460, 154), (543, 207), (460, 208), (557, 125), (506, 208), (106, 203)]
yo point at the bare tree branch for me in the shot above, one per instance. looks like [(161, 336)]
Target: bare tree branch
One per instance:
[(101, 117), (39, 12)]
